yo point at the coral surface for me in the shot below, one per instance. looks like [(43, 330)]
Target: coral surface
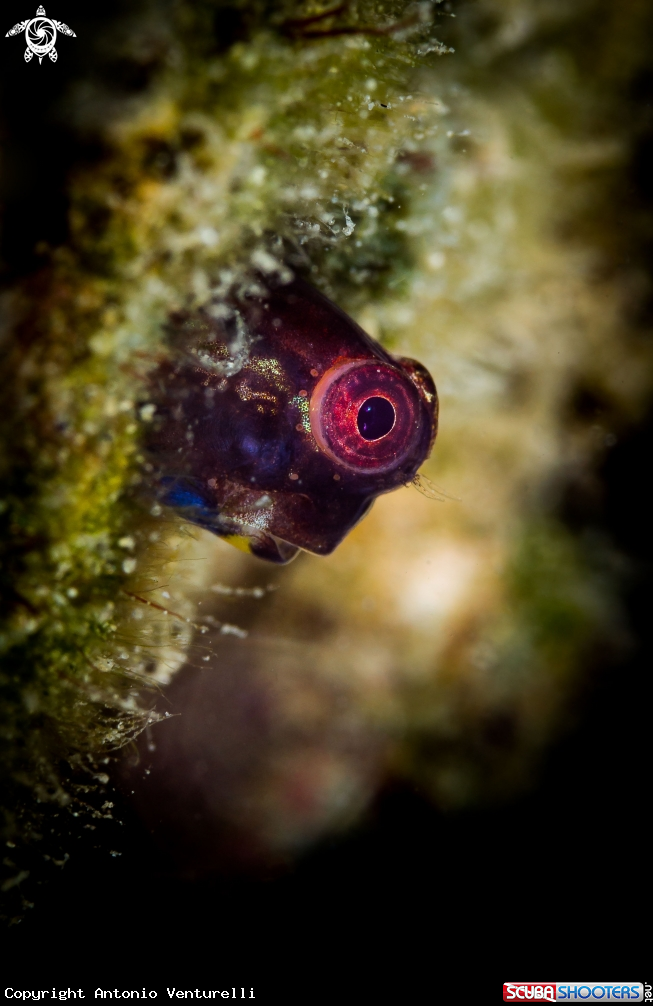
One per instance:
[(452, 183)]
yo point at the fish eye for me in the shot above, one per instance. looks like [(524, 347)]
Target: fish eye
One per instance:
[(365, 414), (376, 417)]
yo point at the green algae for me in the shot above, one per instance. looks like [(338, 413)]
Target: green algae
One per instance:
[(469, 234), (231, 166)]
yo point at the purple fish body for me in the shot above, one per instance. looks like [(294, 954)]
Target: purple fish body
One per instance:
[(284, 445)]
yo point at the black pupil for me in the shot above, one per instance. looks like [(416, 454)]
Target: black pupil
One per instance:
[(376, 417)]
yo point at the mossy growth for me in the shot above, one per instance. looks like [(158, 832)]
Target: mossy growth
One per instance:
[(257, 148)]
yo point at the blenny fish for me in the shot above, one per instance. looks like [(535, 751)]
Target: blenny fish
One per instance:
[(279, 420)]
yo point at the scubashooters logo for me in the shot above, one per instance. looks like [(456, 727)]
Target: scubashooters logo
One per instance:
[(572, 992), (40, 35)]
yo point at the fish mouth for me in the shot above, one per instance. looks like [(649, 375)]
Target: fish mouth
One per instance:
[(269, 547)]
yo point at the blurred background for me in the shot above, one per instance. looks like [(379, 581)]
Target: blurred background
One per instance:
[(439, 729)]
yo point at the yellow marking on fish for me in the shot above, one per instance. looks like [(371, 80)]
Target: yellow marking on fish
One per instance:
[(237, 540)]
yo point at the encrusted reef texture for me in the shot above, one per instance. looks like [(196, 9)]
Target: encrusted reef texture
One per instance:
[(461, 206)]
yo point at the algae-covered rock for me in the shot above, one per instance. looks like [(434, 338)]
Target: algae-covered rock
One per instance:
[(460, 204)]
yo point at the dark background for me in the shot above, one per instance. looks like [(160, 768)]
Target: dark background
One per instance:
[(552, 885)]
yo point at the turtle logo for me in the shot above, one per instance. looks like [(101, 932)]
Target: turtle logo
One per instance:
[(40, 35)]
